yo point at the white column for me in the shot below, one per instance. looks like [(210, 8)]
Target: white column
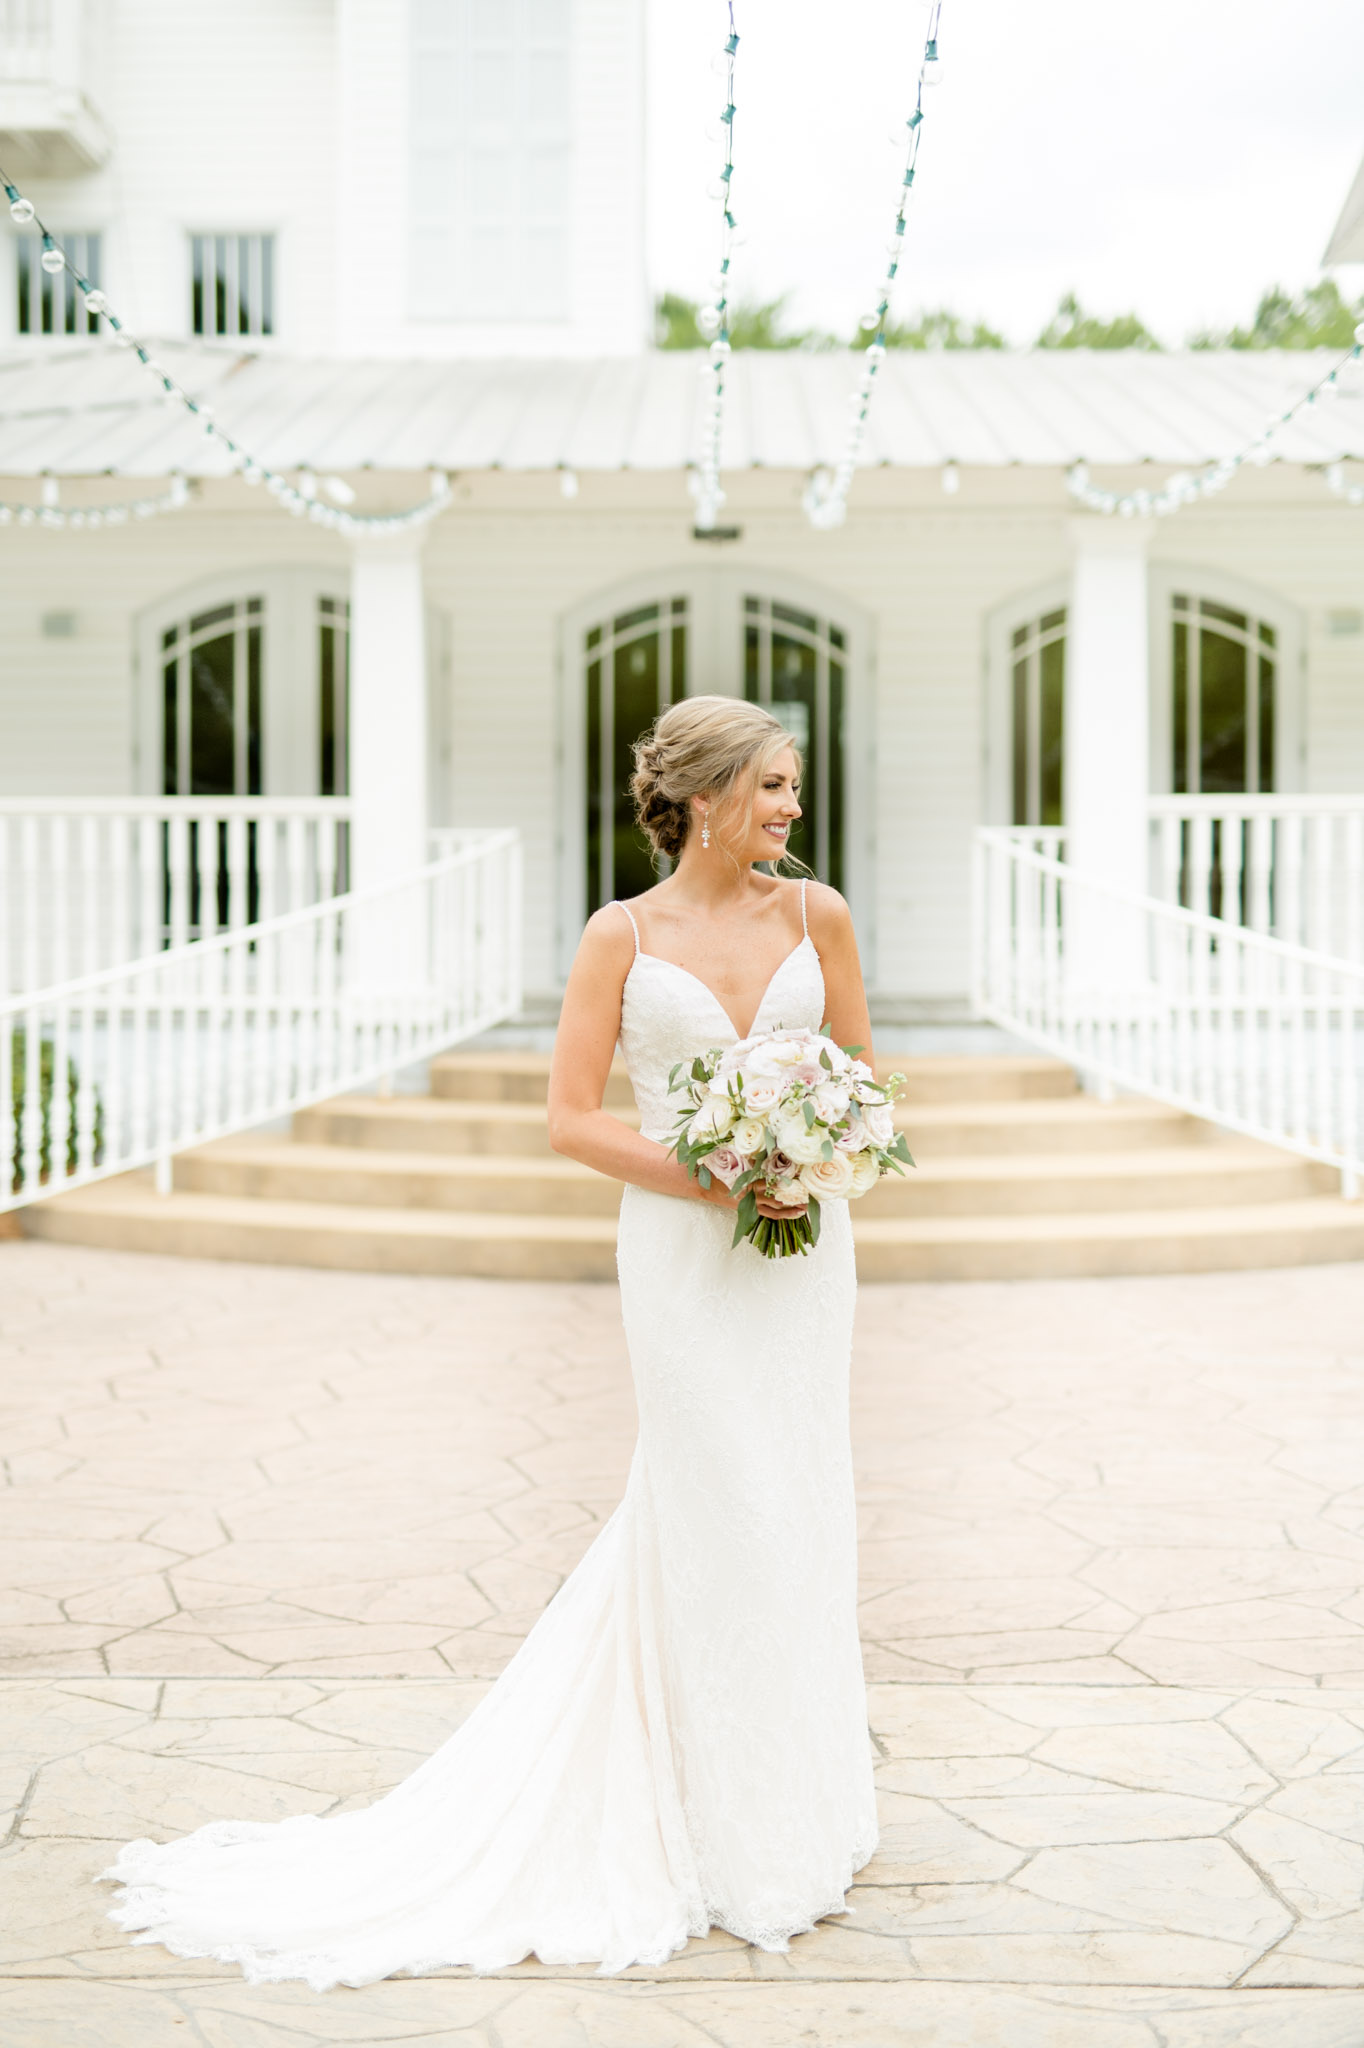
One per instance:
[(387, 723), (1107, 724)]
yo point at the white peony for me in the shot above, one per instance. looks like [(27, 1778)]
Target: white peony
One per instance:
[(748, 1136), (866, 1171), (798, 1141), (831, 1101), (712, 1120), (829, 1180)]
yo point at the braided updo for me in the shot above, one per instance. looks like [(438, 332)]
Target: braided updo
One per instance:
[(704, 746)]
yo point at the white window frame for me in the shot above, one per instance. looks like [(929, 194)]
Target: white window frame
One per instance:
[(258, 236), (1290, 728), (997, 725), (290, 670), (715, 662), (444, 230)]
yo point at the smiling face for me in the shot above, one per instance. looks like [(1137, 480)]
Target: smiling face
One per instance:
[(761, 833)]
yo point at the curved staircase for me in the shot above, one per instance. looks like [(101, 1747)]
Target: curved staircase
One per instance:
[(1019, 1176)]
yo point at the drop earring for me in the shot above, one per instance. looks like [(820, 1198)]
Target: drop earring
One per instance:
[(705, 832)]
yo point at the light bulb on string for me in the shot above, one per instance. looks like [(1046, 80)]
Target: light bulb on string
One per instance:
[(21, 212), (52, 258)]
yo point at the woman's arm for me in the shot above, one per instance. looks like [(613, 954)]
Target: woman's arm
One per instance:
[(845, 999), (589, 1025)]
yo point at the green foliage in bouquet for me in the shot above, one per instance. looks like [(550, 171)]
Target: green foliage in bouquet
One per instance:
[(762, 1164), (47, 1062)]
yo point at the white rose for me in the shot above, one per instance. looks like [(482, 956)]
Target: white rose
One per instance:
[(828, 1180), (831, 1101), (712, 1120), (761, 1094), (748, 1136), (866, 1171), (879, 1121), (799, 1143), (786, 1052)]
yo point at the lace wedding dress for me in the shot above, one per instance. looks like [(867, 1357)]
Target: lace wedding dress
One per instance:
[(681, 1741)]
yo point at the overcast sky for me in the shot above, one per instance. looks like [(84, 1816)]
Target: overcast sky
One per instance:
[(1171, 159)]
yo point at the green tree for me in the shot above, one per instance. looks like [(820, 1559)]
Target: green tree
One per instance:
[(1316, 317), (933, 330), (1071, 327), (752, 324)]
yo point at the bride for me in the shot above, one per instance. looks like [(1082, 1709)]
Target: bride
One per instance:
[(681, 1741)]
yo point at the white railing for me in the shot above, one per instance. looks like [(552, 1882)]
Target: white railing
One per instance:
[(1289, 866), (125, 1067), (1247, 1030), (94, 882)]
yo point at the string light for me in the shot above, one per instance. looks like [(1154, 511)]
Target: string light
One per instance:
[(826, 496), (1334, 473), (299, 499), (51, 513), (1188, 486), (713, 318)]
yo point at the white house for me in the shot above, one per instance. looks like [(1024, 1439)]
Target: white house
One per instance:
[(369, 287)]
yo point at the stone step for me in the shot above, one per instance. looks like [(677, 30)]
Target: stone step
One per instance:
[(424, 1123), (1075, 1123), (511, 1077), (1073, 1183), (278, 1170), (524, 1077), (127, 1214), (1318, 1231)]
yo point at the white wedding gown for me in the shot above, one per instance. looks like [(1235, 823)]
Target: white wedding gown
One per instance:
[(681, 1740)]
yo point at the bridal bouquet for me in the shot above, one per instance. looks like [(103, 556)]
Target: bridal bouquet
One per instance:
[(793, 1116)]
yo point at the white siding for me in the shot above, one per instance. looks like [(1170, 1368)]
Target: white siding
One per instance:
[(512, 558)]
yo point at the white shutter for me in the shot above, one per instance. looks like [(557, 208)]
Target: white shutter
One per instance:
[(491, 159)]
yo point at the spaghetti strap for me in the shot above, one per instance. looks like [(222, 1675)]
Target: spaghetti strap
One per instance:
[(635, 928), (804, 921)]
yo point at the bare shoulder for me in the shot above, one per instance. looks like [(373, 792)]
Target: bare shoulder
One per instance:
[(827, 915), (607, 945)]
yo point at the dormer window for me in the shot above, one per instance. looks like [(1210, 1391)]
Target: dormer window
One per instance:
[(51, 304), (232, 284)]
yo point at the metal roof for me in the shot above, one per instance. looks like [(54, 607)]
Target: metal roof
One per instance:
[(85, 408)]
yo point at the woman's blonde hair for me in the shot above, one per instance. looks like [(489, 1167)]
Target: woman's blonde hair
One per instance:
[(704, 746)]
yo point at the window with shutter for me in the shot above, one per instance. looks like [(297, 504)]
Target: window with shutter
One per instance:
[(491, 159)]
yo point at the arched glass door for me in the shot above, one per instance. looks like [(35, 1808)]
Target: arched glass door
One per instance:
[(635, 666), (1224, 674), (796, 663), (707, 633)]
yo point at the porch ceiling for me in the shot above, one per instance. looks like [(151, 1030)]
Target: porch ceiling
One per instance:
[(86, 409)]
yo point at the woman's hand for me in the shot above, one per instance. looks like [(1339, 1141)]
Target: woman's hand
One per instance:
[(721, 1198)]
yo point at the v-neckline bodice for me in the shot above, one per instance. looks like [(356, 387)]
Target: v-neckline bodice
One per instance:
[(678, 968)]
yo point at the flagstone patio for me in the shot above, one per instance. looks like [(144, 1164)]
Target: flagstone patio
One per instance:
[(266, 1535)]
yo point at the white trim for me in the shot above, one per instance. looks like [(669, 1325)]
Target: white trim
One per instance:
[(997, 724), (715, 619), (1290, 708), (289, 670)]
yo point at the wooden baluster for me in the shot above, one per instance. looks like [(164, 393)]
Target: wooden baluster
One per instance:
[(1260, 862), (1288, 922), (1200, 864)]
